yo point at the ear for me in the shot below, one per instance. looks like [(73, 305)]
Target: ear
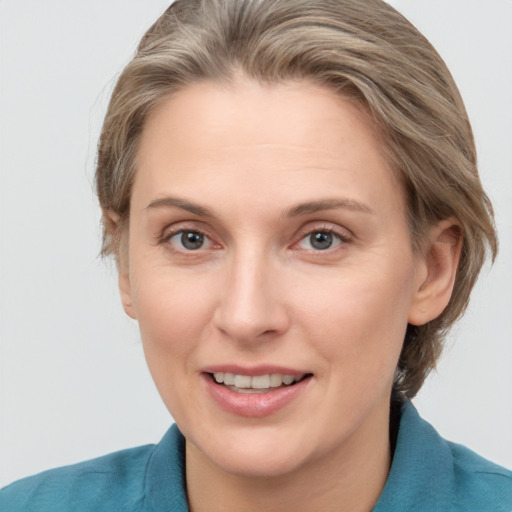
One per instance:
[(125, 290), (438, 269), (111, 222)]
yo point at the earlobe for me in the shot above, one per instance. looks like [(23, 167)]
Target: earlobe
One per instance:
[(125, 291), (440, 263), (111, 221)]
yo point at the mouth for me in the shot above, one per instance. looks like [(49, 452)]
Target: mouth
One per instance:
[(248, 384), (254, 393)]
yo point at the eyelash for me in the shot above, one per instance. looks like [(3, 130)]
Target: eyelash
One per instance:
[(343, 239), (168, 236)]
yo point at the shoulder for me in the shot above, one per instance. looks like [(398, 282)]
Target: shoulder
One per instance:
[(430, 474), (480, 480), (111, 482), (143, 479)]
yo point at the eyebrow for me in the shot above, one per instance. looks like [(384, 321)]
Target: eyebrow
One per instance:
[(306, 208), (175, 202), (327, 204)]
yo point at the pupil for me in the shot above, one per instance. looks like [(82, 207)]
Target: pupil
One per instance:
[(191, 240), (321, 240)]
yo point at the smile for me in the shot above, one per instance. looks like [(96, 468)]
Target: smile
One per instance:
[(257, 383)]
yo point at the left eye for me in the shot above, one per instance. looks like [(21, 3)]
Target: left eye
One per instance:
[(189, 240), (320, 241)]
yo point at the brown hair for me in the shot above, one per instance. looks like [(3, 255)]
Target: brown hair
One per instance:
[(364, 50)]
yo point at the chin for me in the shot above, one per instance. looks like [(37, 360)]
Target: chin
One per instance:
[(264, 455), (259, 465)]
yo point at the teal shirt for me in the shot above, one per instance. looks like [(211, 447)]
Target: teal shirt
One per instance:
[(428, 474)]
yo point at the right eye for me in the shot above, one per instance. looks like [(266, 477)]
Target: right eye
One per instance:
[(187, 240)]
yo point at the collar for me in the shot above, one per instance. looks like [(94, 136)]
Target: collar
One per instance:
[(165, 485), (421, 472), (422, 468)]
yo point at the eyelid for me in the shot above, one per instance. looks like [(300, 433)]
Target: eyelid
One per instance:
[(204, 238), (181, 227), (342, 233)]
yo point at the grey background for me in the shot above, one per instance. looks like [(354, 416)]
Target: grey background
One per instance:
[(73, 381)]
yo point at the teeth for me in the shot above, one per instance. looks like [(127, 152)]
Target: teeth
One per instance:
[(276, 380), (288, 379), (242, 381), (257, 382), (260, 382), (229, 379)]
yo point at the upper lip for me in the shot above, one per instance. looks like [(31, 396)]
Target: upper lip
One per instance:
[(252, 371)]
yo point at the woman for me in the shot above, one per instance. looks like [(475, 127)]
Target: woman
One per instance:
[(290, 191)]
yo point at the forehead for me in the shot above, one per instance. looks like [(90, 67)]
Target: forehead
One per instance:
[(251, 137), (250, 113)]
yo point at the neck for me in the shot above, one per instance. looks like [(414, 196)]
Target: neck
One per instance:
[(348, 479)]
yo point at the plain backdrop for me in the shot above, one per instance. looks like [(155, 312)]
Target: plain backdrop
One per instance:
[(73, 381)]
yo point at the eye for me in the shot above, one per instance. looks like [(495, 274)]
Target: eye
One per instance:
[(187, 240), (321, 240)]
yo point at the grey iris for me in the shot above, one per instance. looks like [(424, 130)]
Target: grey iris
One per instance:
[(320, 240), (191, 240)]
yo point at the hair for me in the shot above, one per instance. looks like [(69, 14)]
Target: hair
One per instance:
[(365, 51)]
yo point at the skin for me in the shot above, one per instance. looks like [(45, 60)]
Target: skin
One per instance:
[(258, 292)]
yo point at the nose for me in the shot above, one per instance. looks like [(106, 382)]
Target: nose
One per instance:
[(251, 307)]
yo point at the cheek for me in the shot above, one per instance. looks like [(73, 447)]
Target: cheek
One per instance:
[(172, 312), (359, 319), (173, 317)]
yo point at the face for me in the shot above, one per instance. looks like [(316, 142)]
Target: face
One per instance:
[(271, 272)]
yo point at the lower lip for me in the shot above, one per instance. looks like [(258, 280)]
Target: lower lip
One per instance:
[(254, 405)]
